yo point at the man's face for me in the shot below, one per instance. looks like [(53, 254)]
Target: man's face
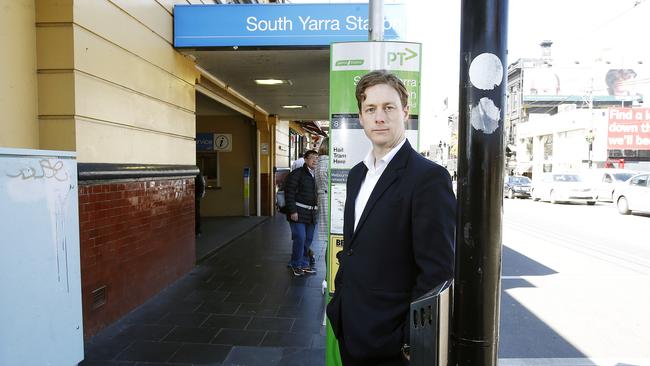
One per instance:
[(311, 161), (382, 116), (624, 85)]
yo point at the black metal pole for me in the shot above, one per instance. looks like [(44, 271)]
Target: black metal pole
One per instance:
[(476, 296)]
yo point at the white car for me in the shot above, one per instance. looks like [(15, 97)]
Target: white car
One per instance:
[(633, 195), (562, 187), (606, 180)]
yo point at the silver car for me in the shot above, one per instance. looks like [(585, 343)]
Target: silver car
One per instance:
[(563, 187), (633, 195)]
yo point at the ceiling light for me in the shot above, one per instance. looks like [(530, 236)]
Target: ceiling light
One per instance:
[(293, 106), (271, 81)]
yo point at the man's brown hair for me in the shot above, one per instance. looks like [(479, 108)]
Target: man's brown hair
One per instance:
[(380, 77)]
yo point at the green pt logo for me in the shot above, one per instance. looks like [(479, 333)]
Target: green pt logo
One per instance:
[(400, 57)]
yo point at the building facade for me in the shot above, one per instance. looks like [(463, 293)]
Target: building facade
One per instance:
[(556, 111), (103, 79)]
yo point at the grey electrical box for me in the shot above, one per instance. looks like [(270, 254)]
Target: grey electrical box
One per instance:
[(40, 275), (429, 332)]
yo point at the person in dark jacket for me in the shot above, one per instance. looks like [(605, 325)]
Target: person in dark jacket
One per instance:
[(399, 232), (302, 210), (199, 192)]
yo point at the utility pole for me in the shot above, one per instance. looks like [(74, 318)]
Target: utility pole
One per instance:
[(590, 141), (477, 281), (589, 136), (376, 29)]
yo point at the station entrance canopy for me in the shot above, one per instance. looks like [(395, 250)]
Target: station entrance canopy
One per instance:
[(241, 43)]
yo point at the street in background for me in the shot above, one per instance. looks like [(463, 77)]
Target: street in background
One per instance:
[(563, 187), (574, 285)]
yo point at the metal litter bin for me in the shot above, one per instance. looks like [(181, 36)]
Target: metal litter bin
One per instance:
[(430, 327)]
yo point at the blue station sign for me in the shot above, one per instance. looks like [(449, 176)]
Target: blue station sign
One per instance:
[(204, 141), (269, 25)]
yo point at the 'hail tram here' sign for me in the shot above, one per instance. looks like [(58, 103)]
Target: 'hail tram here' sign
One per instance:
[(316, 25)]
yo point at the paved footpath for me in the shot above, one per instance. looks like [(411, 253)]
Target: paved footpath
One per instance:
[(240, 307)]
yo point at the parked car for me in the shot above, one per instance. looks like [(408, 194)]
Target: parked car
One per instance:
[(606, 180), (563, 187), (517, 186), (633, 195)]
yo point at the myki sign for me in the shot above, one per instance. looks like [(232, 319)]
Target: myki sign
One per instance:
[(628, 129), (259, 25), (204, 141)]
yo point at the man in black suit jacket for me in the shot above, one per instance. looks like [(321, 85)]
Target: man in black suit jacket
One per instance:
[(399, 228)]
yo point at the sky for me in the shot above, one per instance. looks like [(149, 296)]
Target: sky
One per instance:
[(581, 30)]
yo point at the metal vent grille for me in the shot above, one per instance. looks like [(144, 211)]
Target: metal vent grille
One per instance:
[(99, 297)]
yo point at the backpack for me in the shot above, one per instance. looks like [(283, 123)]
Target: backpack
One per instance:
[(280, 200)]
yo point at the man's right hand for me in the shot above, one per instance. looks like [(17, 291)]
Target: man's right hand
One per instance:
[(294, 216)]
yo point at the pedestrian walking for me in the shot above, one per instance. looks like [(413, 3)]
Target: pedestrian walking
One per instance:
[(301, 207), (199, 192)]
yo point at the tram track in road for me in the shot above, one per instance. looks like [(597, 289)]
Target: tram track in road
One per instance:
[(587, 289), (598, 231), (595, 249)]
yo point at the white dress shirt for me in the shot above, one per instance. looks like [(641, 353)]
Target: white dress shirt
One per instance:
[(375, 170)]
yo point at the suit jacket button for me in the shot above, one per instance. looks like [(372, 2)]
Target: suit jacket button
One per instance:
[(350, 252)]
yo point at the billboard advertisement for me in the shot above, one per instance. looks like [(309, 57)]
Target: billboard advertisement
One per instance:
[(628, 129), (618, 83)]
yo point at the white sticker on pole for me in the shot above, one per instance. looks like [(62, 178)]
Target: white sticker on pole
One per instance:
[(486, 71), (485, 116)]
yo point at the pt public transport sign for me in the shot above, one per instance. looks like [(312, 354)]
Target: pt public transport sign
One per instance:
[(276, 25)]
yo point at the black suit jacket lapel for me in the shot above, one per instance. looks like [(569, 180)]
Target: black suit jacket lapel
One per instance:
[(350, 202), (388, 177)]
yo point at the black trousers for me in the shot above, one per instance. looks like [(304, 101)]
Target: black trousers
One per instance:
[(197, 217), (348, 360)]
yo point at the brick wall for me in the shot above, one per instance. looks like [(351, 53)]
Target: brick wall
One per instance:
[(136, 238)]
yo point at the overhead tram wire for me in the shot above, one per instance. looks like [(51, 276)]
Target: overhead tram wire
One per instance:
[(636, 4), (588, 34)]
